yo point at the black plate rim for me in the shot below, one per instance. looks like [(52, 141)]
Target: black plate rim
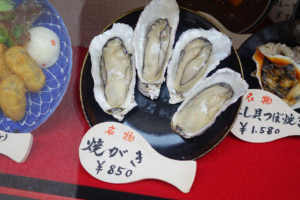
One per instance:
[(259, 19), (296, 12), (260, 32), (189, 10)]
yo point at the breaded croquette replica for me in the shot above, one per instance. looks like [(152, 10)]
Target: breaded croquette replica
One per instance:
[(4, 71), (20, 63), (12, 97)]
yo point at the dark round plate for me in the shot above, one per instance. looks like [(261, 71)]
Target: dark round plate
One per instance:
[(239, 19), (296, 13), (151, 118), (287, 32)]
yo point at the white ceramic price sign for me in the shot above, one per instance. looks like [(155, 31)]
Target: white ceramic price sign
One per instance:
[(264, 117), (115, 153)]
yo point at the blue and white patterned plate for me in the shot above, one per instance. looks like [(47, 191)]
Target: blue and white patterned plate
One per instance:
[(40, 105)]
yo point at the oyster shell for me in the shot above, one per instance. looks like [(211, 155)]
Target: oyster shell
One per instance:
[(196, 53), (113, 70), (153, 42), (278, 71), (200, 110)]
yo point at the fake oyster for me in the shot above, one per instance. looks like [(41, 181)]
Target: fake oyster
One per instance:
[(278, 71), (113, 70), (200, 110), (196, 53), (153, 42)]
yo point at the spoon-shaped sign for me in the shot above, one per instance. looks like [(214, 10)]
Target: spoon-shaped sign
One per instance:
[(115, 153), (264, 117), (16, 146)]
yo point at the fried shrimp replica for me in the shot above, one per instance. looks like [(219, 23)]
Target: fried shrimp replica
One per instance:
[(20, 63), (12, 97)]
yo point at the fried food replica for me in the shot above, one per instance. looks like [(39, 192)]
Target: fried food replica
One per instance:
[(12, 97), (4, 71), (20, 63)]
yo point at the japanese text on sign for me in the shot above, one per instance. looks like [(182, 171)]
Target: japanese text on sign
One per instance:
[(257, 112), (107, 154), (3, 136)]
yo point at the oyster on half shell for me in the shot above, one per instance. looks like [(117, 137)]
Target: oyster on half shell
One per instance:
[(153, 42), (196, 53), (200, 110), (113, 70), (278, 71)]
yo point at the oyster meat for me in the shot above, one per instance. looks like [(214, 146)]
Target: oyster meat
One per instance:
[(113, 70), (153, 42), (196, 53), (278, 71), (200, 110)]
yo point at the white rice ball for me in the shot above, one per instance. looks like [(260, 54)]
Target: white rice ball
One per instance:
[(44, 46)]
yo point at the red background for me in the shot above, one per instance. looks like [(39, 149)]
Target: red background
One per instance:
[(232, 170)]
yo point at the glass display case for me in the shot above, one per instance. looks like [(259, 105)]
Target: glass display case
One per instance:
[(227, 168)]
